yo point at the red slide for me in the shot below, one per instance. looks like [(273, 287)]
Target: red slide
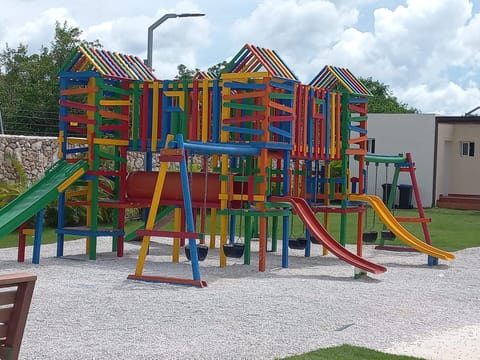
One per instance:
[(306, 214)]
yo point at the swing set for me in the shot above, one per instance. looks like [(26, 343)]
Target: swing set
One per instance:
[(402, 163), (370, 236), (235, 249)]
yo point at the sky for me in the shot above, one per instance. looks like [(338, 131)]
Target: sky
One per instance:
[(426, 51)]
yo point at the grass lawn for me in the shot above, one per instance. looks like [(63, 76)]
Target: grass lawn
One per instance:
[(449, 229), (348, 352), (49, 236)]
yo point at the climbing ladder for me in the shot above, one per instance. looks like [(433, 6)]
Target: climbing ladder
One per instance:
[(168, 155)]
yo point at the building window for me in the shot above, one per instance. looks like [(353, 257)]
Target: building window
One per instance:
[(371, 145), (467, 149)]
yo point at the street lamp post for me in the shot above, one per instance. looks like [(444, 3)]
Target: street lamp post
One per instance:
[(157, 24), (148, 62)]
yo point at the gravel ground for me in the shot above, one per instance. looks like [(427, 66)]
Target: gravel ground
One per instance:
[(89, 310)]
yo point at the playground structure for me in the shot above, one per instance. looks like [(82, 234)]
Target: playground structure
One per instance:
[(266, 143)]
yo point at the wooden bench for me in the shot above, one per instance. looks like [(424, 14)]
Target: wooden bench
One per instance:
[(15, 297)]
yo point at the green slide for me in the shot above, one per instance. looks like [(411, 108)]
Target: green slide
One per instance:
[(39, 195)]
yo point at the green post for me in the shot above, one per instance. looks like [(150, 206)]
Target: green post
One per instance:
[(135, 127), (248, 240), (274, 233)]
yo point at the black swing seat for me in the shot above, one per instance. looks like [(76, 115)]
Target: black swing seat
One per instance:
[(314, 240), (297, 243), (388, 235), (202, 251), (370, 236), (234, 250)]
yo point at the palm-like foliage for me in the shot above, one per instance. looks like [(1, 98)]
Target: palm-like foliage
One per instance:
[(10, 190)]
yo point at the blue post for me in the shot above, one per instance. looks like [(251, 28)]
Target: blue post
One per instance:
[(432, 261), (61, 224), (37, 240), (286, 231), (187, 204), (231, 230), (286, 178)]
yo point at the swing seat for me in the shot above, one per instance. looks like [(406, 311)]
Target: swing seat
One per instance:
[(370, 236), (202, 251), (234, 250), (388, 235), (314, 240), (298, 243)]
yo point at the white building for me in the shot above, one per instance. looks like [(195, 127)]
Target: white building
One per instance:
[(443, 149)]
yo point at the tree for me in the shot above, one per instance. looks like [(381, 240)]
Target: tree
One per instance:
[(217, 69), (29, 87), (184, 73), (383, 100)]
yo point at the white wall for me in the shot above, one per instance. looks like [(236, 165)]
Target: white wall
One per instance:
[(402, 133), (445, 152), (456, 174)]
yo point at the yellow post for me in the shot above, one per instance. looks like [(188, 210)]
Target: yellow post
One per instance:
[(177, 225), (213, 228), (333, 128), (153, 212)]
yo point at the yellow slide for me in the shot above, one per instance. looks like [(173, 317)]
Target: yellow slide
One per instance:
[(403, 234)]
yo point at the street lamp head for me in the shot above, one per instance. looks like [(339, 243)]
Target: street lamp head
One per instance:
[(157, 23), (190, 15)]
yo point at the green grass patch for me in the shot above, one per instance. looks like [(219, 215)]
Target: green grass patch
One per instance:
[(348, 352), (449, 229), (49, 236)]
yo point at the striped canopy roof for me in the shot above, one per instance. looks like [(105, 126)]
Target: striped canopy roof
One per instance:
[(329, 76), (204, 75), (253, 58), (108, 64)]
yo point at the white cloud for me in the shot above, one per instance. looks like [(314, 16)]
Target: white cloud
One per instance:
[(427, 51), (425, 42), (419, 37), (38, 30), (175, 41), (295, 28), (412, 47), (448, 99)]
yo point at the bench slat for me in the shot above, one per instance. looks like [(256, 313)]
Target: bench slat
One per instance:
[(5, 314), (3, 331), (7, 297)]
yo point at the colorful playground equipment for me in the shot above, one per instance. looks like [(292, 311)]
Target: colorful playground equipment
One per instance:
[(270, 148)]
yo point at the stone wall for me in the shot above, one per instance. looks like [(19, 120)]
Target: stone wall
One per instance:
[(36, 154)]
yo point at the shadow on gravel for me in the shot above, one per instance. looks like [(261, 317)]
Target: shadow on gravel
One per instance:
[(363, 278), (416, 266)]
